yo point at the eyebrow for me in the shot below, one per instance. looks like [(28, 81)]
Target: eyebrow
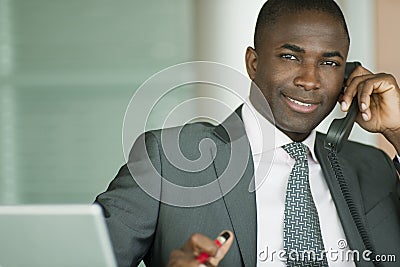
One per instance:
[(293, 48), (333, 54), (298, 49)]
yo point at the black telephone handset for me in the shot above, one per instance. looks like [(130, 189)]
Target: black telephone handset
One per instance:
[(340, 129)]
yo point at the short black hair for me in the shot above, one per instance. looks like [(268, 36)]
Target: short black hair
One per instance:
[(273, 9)]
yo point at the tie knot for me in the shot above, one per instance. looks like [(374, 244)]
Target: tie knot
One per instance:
[(297, 151)]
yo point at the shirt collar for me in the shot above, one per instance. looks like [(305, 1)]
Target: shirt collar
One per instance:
[(264, 136)]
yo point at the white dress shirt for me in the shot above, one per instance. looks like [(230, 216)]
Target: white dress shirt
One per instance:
[(272, 167)]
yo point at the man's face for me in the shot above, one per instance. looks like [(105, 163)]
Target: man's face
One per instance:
[(299, 67)]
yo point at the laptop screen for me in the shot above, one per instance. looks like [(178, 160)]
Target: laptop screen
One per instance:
[(54, 235)]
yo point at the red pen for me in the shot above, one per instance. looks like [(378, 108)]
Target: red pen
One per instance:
[(219, 241)]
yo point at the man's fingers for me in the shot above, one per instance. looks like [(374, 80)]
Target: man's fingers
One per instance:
[(198, 243), (357, 72), (214, 261), (365, 90), (359, 75), (194, 246), (199, 250)]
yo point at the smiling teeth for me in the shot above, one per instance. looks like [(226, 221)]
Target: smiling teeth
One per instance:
[(299, 103)]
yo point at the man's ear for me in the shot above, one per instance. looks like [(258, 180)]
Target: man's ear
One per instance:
[(251, 62)]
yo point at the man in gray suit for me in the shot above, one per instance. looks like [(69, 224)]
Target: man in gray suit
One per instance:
[(298, 63)]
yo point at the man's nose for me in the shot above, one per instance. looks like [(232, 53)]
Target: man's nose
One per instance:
[(308, 77)]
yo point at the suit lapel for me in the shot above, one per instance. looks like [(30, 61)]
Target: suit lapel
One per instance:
[(353, 236), (234, 169)]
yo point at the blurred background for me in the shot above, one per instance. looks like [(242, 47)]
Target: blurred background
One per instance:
[(69, 68)]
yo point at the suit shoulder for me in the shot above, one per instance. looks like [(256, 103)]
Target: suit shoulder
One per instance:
[(192, 131), (188, 136)]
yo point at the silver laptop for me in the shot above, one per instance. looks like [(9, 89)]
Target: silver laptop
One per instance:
[(54, 235)]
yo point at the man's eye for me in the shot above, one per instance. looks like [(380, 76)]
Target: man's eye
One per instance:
[(288, 56), (331, 63)]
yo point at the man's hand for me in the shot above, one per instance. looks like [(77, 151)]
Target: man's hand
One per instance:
[(195, 245), (379, 103)]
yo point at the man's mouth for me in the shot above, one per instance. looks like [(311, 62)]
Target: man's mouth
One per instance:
[(301, 106), (299, 103)]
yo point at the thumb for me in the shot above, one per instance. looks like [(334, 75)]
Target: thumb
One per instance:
[(221, 252)]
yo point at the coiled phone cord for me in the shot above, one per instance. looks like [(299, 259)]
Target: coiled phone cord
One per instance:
[(333, 159)]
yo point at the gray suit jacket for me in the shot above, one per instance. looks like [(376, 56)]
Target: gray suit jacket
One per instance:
[(142, 227)]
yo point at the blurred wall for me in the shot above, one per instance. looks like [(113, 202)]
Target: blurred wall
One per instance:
[(223, 31), (67, 72), (387, 44), (69, 68)]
